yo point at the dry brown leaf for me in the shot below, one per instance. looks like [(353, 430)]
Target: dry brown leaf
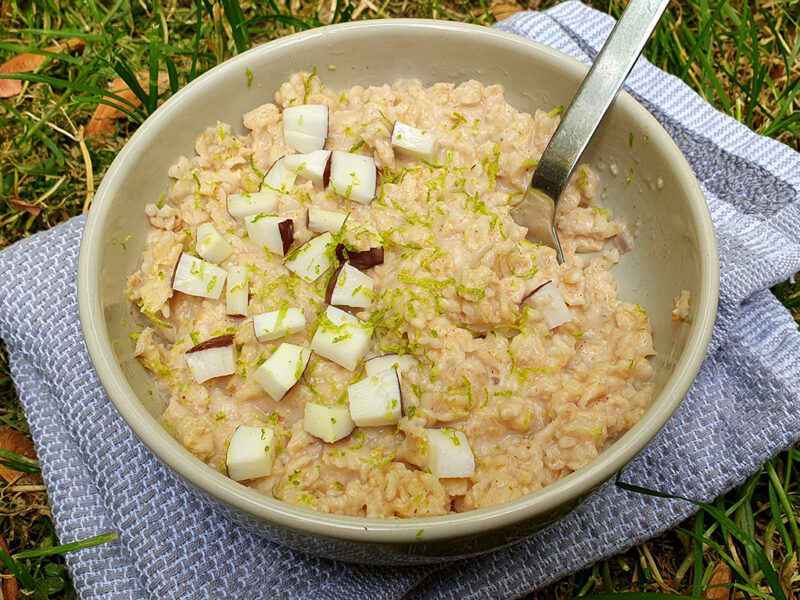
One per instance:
[(719, 577), (102, 122), (504, 10), (32, 209), (10, 584), (13, 440), (27, 63)]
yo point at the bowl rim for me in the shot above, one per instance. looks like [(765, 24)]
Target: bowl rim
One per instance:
[(363, 529)]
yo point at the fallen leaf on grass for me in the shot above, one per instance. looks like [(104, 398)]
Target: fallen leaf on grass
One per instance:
[(719, 577), (504, 10), (104, 117), (13, 440), (32, 209), (10, 585), (28, 62)]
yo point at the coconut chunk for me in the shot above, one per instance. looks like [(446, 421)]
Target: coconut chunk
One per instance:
[(244, 205), (449, 453), (376, 401), (197, 277), (354, 176), (413, 142), (341, 337), (278, 323), (251, 452), (547, 300), (349, 287), (274, 233), (321, 220), (305, 127), (237, 292), (212, 358), (313, 258), (210, 244), (380, 363), (279, 178), (282, 370), (314, 166), (328, 423)]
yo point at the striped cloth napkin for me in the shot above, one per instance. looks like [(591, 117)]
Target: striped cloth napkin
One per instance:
[(173, 544)]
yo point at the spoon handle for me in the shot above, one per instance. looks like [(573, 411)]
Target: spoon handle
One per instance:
[(598, 90)]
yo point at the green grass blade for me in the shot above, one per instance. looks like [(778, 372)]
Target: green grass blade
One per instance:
[(780, 492), (20, 572), (697, 575), (235, 16), (287, 20), (80, 545), (152, 92), (17, 49), (20, 463), (130, 79), (196, 41), (172, 72), (60, 33), (776, 516)]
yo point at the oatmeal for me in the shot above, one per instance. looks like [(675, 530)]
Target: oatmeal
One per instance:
[(344, 316)]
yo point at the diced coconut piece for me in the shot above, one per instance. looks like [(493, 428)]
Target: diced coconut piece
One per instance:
[(547, 300), (354, 176), (243, 205), (282, 370), (341, 337), (197, 277), (274, 233), (380, 363), (212, 358), (211, 245), (237, 292), (360, 259), (250, 453), (278, 323), (305, 127), (328, 423), (376, 400), (279, 178), (449, 453), (313, 258), (314, 166), (321, 220), (413, 142), (349, 287)]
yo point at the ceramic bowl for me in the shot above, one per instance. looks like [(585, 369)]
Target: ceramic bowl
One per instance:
[(673, 237)]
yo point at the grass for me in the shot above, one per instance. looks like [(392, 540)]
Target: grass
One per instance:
[(742, 56)]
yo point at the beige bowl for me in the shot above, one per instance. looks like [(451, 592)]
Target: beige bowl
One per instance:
[(674, 250)]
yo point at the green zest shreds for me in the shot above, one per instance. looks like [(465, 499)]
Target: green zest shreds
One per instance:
[(161, 323), (358, 438), (378, 458), (307, 87), (425, 282), (493, 165)]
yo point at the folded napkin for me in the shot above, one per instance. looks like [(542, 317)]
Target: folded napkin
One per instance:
[(173, 544)]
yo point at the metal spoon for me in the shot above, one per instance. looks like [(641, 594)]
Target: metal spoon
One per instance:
[(538, 209)]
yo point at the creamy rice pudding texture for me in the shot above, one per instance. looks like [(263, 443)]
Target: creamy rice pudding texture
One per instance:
[(501, 397)]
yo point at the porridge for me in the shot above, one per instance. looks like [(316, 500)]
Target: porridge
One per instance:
[(344, 316)]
